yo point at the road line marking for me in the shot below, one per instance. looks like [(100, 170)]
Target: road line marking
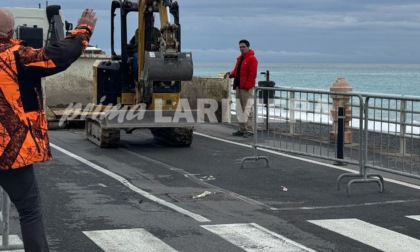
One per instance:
[(195, 179), (122, 180), (371, 235), (346, 206), (414, 217), (307, 160), (128, 240), (252, 237)]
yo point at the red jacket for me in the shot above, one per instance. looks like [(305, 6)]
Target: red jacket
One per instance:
[(248, 72), (23, 125)]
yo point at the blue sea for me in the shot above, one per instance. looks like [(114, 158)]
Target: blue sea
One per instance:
[(373, 78)]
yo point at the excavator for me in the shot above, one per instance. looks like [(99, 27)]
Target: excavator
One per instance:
[(144, 80)]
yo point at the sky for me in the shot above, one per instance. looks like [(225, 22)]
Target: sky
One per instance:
[(281, 31)]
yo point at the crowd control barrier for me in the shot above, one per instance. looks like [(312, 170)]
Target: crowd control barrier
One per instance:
[(314, 123), (392, 130), (5, 209)]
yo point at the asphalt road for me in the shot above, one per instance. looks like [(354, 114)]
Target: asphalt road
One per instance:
[(144, 196)]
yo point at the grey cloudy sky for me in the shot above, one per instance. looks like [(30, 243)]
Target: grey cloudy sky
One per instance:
[(282, 31)]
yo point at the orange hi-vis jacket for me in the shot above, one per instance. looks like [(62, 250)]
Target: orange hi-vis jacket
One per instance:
[(23, 125)]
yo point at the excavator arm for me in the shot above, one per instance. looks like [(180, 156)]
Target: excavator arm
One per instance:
[(168, 63)]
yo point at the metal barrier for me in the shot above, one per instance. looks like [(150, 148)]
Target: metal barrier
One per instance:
[(392, 130), (5, 221), (300, 122), (306, 122)]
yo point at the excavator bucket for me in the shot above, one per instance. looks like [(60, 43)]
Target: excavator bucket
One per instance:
[(159, 67)]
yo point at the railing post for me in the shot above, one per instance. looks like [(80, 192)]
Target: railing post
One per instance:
[(292, 113), (403, 127), (5, 218), (5, 209)]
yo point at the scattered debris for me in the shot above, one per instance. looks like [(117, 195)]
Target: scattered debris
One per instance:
[(201, 195), (207, 178)]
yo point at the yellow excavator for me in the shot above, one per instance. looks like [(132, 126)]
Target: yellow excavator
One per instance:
[(140, 87)]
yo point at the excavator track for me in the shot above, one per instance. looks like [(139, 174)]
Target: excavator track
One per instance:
[(103, 137), (179, 137)]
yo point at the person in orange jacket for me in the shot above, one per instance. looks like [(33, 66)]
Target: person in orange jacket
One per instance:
[(244, 74), (23, 125)]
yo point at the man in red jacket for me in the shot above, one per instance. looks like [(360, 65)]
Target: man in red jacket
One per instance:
[(23, 125), (244, 74)]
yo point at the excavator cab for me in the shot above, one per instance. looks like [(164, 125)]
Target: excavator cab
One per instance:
[(143, 74), (153, 68)]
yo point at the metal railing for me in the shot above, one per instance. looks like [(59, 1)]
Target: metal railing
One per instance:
[(379, 132), (5, 209), (392, 134)]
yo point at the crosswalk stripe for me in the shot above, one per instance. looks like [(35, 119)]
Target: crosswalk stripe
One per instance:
[(253, 238), (128, 240), (414, 217), (374, 236), (13, 240)]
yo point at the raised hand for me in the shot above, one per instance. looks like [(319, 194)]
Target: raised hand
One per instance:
[(88, 18)]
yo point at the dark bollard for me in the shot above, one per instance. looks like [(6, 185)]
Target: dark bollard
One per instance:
[(266, 95), (340, 135)]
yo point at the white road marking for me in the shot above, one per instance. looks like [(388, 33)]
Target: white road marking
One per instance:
[(193, 177), (371, 235), (347, 206), (13, 240), (306, 160), (128, 240), (254, 238), (414, 217), (145, 194)]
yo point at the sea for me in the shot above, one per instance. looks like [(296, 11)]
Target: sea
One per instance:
[(394, 79), (397, 79)]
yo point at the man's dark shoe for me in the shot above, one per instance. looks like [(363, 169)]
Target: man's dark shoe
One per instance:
[(248, 134), (238, 133)]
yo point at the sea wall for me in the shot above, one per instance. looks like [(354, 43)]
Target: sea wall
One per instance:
[(74, 86)]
